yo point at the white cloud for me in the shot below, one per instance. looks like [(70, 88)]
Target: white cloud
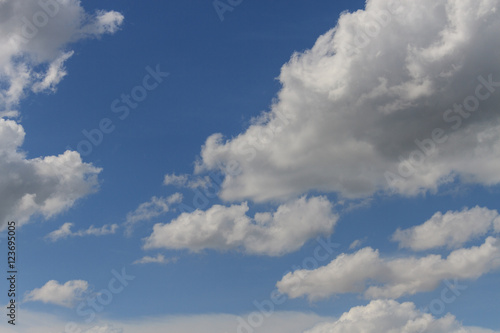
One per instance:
[(42, 186), (355, 103), (357, 243), (151, 209), (185, 180), (103, 23), (451, 229), (55, 73), (34, 40), (65, 231), (391, 316), (176, 180), (225, 228), (60, 294), (159, 259), (366, 272), (35, 36)]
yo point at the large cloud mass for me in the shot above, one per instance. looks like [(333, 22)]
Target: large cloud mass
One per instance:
[(402, 96)]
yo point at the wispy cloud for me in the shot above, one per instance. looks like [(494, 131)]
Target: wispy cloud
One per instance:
[(159, 259), (65, 231), (157, 206), (230, 228)]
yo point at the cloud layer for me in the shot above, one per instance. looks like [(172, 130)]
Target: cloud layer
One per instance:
[(225, 228), (400, 97)]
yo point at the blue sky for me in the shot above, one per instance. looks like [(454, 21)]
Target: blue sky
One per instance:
[(232, 140)]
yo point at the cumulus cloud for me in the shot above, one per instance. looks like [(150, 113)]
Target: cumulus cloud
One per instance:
[(35, 36), (65, 231), (42, 186), (380, 103), (366, 272), (391, 316), (451, 229), (159, 259), (225, 228), (60, 294), (151, 209)]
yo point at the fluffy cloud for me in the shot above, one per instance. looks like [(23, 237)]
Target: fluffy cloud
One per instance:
[(65, 231), (159, 259), (451, 229), (225, 228), (40, 186), (60, 294), (391, 316), (151, 209), (34, 36), (380, 103), (366, 272)]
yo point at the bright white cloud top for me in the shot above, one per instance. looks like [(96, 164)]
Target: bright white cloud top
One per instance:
[(382, 102)]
